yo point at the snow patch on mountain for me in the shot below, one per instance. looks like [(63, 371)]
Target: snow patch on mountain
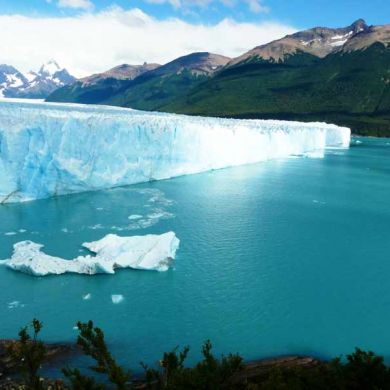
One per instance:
[(15, 84)]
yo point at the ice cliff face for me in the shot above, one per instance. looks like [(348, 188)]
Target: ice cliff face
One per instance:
[(53, 149)]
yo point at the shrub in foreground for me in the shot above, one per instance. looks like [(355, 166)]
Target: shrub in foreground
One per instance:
[(360, 370)]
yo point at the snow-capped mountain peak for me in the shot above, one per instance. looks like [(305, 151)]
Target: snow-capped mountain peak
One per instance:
[(30, 76), (318, 41), (33, 84), (51, 67)]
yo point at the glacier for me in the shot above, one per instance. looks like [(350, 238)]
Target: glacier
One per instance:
[(49, 149), (150, 252)]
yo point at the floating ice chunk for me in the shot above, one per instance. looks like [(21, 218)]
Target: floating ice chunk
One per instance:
[(134, 217), (87, 297), (150, 252), (10, 234), (96, 227), (158, 214), (15, 305), (29, 258), (117, 298)]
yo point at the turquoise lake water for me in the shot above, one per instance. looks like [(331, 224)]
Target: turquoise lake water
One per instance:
[(284, 257)]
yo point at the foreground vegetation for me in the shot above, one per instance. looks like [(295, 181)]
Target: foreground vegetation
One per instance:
[(360, 370)]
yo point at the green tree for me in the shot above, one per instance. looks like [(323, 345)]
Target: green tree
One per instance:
[(29, 353), (79, 381), (365, 370), (212, 373), (92, 342), (209, 374)]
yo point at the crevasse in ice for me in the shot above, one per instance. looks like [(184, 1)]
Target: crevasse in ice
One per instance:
[(54, 149)]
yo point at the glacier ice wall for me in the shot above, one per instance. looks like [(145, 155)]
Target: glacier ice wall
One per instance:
[(51, 149)]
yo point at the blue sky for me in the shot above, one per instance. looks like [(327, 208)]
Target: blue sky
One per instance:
[(300, 13), (89, 36)]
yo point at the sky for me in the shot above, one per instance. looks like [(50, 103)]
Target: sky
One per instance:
[(89, 36)]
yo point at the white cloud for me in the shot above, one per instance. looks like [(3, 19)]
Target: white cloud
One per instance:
[(254, 5), (257, 6), (77, 4), (94, 42)]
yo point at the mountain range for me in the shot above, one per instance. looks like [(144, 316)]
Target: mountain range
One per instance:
[(147, 87), (339, 75), (39, 85)]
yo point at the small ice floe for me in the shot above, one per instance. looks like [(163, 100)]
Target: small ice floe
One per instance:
[(14, 305), (134, 217), (318, 202), (75, 328), (160, 214), (87, 297), (117, 298), (143, 222), (96, 227), (22, 230), (65, 230), (10, 234), (99, 208)]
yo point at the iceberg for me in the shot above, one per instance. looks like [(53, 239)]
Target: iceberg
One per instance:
[(117, 298), (49, 149), (150, 252)]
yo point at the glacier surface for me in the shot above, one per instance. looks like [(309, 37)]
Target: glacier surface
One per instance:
[(150, 252), (49, 149)]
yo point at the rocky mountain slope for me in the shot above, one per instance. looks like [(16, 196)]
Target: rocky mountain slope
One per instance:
[(121, 72), (151, 89), (339, 75), (318, 41), (349, 86), (100, 86)]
